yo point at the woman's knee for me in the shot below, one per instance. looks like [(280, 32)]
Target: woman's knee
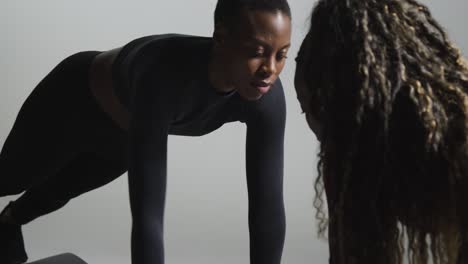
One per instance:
[(10, 182), (11, 188)]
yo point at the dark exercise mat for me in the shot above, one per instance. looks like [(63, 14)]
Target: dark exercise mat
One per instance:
[(66, 258)]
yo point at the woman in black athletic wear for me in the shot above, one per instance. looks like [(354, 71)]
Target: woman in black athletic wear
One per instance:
[(99, 114), (386, 93)]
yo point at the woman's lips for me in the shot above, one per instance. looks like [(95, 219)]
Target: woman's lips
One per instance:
[(262, 86)]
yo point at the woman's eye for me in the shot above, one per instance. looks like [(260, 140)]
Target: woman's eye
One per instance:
[(259, 53), (282, 56)]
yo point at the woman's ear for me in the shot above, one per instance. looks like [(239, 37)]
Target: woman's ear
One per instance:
[(219, 35)]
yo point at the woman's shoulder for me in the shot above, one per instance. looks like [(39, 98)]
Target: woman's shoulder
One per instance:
[(271, 106), (273, 100), (168, 50), (163, 43)]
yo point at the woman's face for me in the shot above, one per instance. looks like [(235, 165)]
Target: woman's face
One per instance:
[(255, 53), (303, 91)]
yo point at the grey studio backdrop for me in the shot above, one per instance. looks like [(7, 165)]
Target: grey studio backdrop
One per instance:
[(206, 207)]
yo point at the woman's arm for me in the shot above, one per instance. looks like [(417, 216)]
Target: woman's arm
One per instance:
[(264, 160), (147, 171)]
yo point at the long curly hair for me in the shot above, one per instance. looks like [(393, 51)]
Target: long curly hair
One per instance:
[(391, 93)]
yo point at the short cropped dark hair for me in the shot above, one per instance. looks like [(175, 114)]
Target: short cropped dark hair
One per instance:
[(227, 12)]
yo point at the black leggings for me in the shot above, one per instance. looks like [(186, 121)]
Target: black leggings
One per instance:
[(62, 143)]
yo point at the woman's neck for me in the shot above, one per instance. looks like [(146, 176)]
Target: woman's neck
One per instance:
[(217, 74)]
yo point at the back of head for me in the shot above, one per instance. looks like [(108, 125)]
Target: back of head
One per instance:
[(392, 93), (228, 12)]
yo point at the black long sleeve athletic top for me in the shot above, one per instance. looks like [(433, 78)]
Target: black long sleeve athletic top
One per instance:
[(163, 80)]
